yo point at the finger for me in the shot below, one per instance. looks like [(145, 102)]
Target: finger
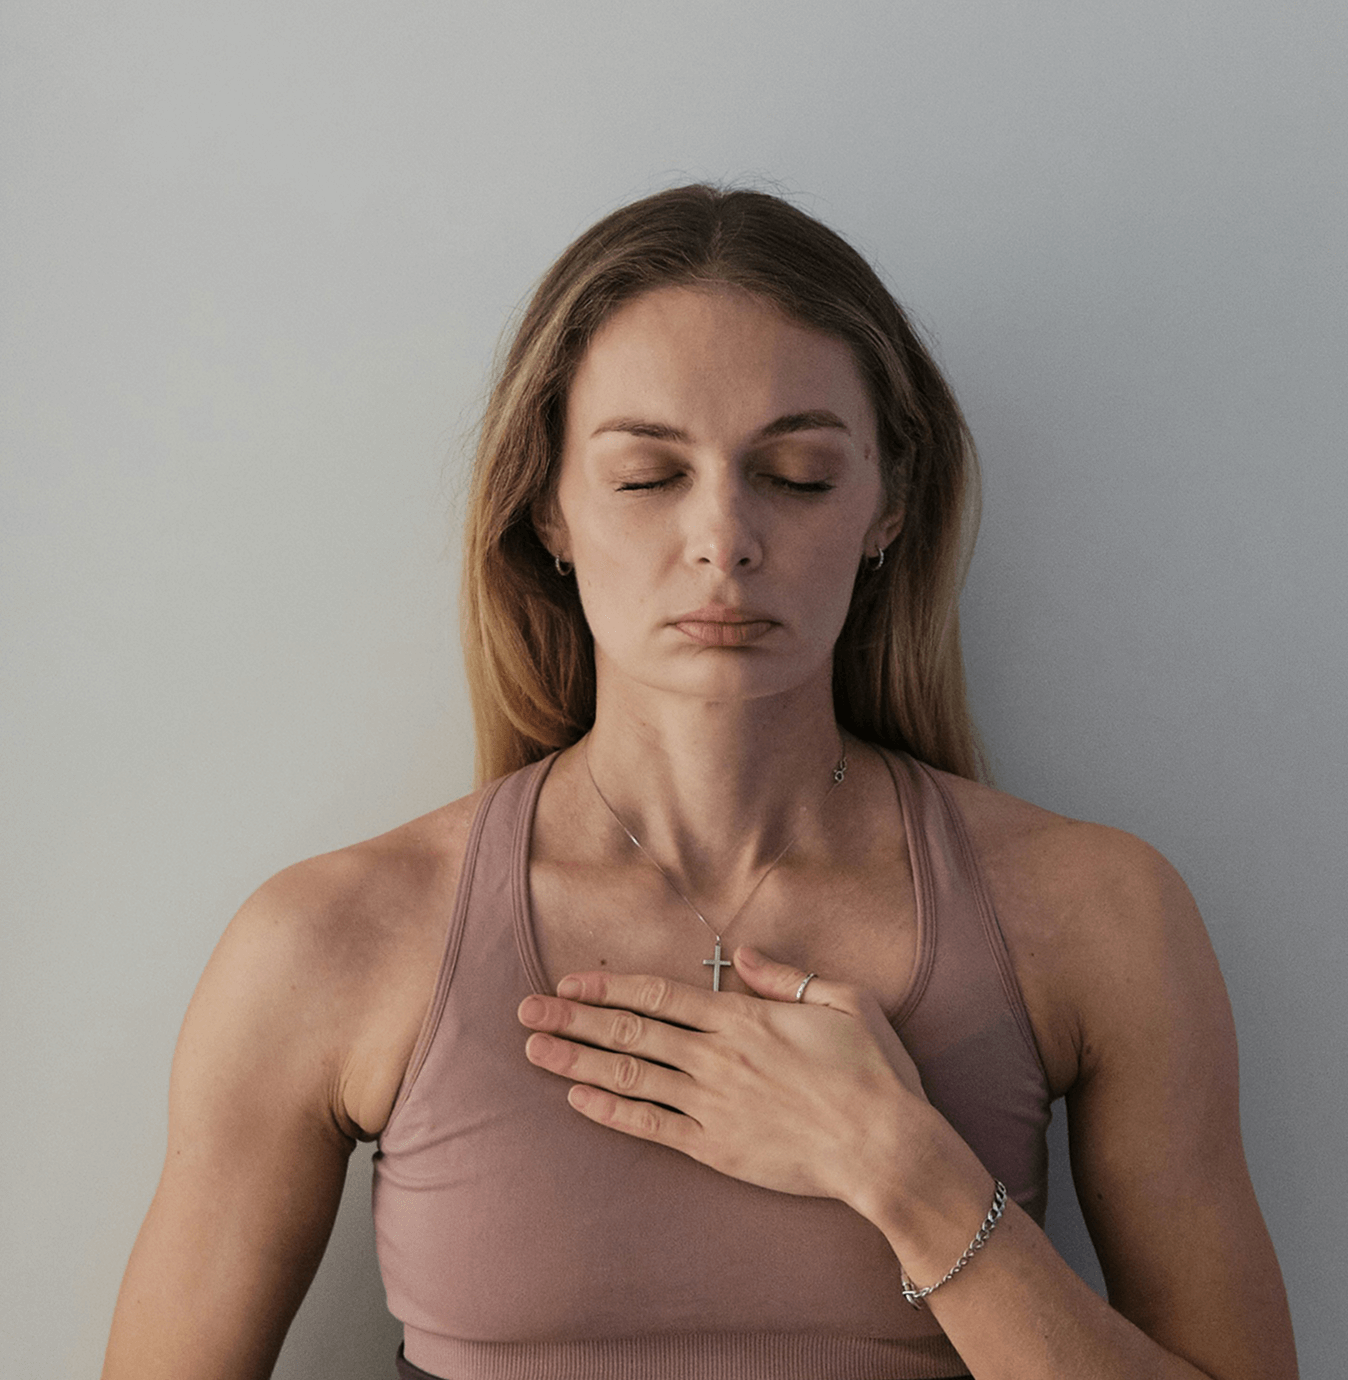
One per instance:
[(618, 1073), (640, 1119), (606, 1028), (658, 997), (782, 982)]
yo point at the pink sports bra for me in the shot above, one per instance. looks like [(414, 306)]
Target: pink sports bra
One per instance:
[(517, 1239)]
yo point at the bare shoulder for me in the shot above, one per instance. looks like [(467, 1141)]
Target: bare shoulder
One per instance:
[(292, 1049), (1098, 922), (343, 949), (352, 903)]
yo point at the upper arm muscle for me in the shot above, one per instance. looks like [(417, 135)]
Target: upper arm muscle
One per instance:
[(255, 1163), (1155, 1128)]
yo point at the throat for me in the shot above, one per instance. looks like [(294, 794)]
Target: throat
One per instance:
[(716, 963)]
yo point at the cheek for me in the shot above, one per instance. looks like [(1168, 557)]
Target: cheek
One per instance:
[(834, 588), (604, 530), (616, 587), (620, 566), (832, 579), (835, 556)]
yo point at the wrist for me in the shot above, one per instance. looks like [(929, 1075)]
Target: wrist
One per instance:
[(916, 1295), (931, 1196)]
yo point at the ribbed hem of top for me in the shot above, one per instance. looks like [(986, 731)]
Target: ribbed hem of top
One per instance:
[(689, 1356)]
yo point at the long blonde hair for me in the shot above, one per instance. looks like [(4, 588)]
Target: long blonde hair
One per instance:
[(898, 674)]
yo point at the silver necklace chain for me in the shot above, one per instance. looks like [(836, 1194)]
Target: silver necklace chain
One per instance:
[(716, 962)]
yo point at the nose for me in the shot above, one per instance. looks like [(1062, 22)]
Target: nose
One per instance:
[(722, 528)]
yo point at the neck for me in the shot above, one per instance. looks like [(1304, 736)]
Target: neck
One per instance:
[(715, 791)]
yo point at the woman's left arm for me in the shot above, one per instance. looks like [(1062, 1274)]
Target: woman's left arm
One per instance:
[(823, 1100), (1194, 1285)]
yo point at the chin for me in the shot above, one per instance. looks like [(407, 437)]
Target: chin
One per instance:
[(724, 676)]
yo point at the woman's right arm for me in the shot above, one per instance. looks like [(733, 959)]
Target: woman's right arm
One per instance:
[(293, 1048), (257, 1147)]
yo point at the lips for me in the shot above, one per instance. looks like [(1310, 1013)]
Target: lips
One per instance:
[(717, 626)]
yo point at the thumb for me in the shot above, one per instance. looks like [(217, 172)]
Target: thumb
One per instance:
[(781, 981)]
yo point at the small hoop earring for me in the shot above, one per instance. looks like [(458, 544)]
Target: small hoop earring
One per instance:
[(876, 561), (564, 568)]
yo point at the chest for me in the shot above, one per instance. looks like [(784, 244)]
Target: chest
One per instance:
[(856, 925)]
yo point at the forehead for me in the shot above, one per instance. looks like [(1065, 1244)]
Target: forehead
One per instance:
[(711, 358)]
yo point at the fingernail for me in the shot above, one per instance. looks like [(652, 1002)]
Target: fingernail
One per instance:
[(532, 1010), (568, 987), (751, 958), (539, 1046)]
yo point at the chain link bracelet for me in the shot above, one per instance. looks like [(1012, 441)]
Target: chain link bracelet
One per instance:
[(915, 1296)]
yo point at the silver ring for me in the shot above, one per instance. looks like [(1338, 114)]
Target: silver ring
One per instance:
[(805, 982)]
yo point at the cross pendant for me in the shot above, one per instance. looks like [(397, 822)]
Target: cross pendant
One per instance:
[(716, 963)]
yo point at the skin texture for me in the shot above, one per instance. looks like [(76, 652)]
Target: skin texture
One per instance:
[(681, 493)]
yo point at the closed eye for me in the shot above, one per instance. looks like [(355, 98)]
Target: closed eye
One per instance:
[(638, 486), (797, 486), (794, 486)]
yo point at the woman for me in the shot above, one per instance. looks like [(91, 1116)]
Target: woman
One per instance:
[(800, 988)]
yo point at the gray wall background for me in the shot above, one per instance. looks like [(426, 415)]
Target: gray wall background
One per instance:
[(257, 258)]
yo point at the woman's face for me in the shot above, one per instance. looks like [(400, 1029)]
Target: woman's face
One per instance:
[(719, 488)]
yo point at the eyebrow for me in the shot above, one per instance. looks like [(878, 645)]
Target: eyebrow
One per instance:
[(816, 420)]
